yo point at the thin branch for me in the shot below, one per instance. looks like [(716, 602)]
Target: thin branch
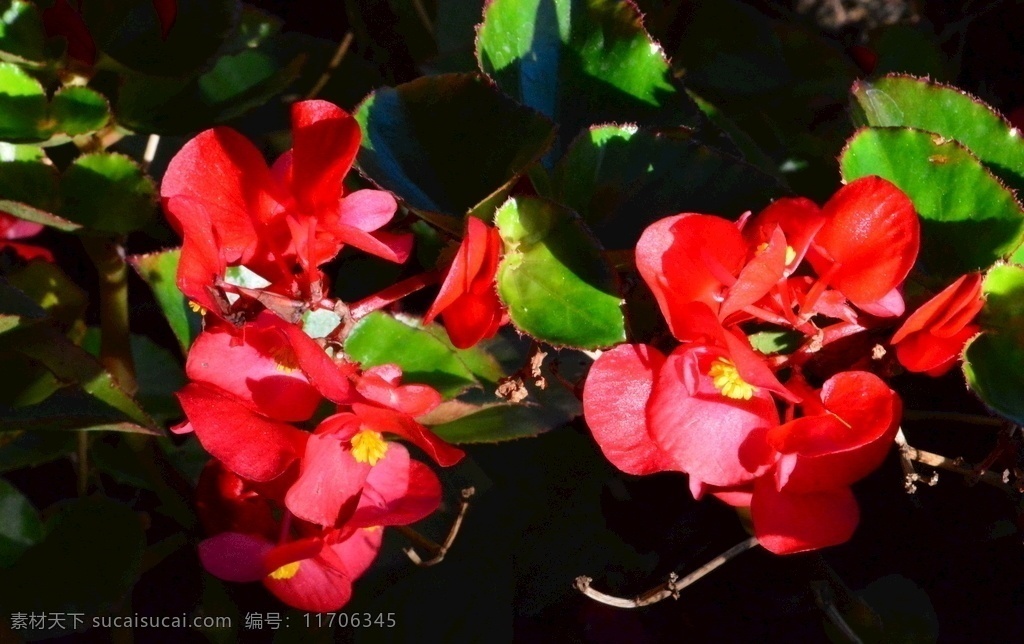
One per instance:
[(826, 602), (931, 459), (152, 143), (439, 551), (952, 417), (421, 12), (339, 54), (668, 589)]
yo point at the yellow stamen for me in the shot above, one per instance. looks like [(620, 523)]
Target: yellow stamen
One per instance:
[(726, 379), (790, 253), (369, 446), (285, 359), (196, 307), (286, 571)]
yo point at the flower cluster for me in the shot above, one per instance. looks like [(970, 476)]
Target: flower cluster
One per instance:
[(772, 398), (307, 465)]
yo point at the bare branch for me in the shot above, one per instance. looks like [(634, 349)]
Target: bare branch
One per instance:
[(668, 589), (439, 551), (339, 54)]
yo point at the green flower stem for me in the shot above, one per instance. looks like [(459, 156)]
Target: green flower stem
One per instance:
[(115, 345)]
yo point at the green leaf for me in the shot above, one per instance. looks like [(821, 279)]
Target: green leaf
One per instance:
[(130, 33), (16, 308), (73, 365), (93, 546), (621, 179), (29, 182), (581, 62), (53, 291), (79, 110), (447, 143), (553, 279), (994, 361), (425, 357), (23, 106), (772, 342), (108, 193), (159, 270), (969, 219), (30, 449), (20, 526), (236, 83), (905, 101), (22, 38)]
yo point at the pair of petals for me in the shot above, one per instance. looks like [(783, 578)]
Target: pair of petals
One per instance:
[(468, 302), (933, 337)]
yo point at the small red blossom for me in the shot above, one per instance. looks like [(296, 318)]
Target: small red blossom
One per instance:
[(468, 303), (281, 223), (933, 337), (12, 228)]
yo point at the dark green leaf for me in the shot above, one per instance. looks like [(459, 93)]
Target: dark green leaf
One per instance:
[(553, 279), (581, 62), (23, 106), (446, 143), (107, 193), (969, 219), (905, 101), (158, 270), (21, 32), (78, 110), (73, 365), (16, 308), (29, 449), (31, 183), (53, 291), (621, 179), (87, 563), (994, 361), (425, 357), (20, 527), (130, 33)]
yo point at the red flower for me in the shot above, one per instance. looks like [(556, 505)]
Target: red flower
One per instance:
[(13, 228), (932, 338), (280, 223), (468, 303)]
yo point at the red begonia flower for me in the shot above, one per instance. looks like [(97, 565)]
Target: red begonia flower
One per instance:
[(845, 434), (12, 228), (61, 19), (468, 302), (932, 338), (232, 210), (253, 446), (869, 241), (799, 218), (788, 522)]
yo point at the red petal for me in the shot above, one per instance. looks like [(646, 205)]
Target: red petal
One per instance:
[(329, 479), (367, 210), (201, 263), (13, 228), (949, 311), (398, 491), (719, 440), (758, 277), (473, 318), (249, 445), (923, 352), (786, 522), (166, 12), (682, 259), (390, 421), (28, 252), (382, 388), (615, 399), (233, 556), (873, 233), (469, 261), (331, 379), (800, 220), (246, 368), (394, 248), (60, 19), (325, 140)]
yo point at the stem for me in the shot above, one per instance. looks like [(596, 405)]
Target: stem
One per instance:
[(931, 459), (953, 417), (421, 13), (339, 54), (115, 343), (393, 293), (439, 550), (668, 589)]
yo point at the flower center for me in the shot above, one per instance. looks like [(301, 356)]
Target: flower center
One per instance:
[(369, 446), (790, 252), (726, 378), (197, 308), (284, 359), (286, 571)]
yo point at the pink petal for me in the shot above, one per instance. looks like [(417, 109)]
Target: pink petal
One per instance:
[(233, 556), (367, 210), (329, 480), (398, 491), (615, 399)]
